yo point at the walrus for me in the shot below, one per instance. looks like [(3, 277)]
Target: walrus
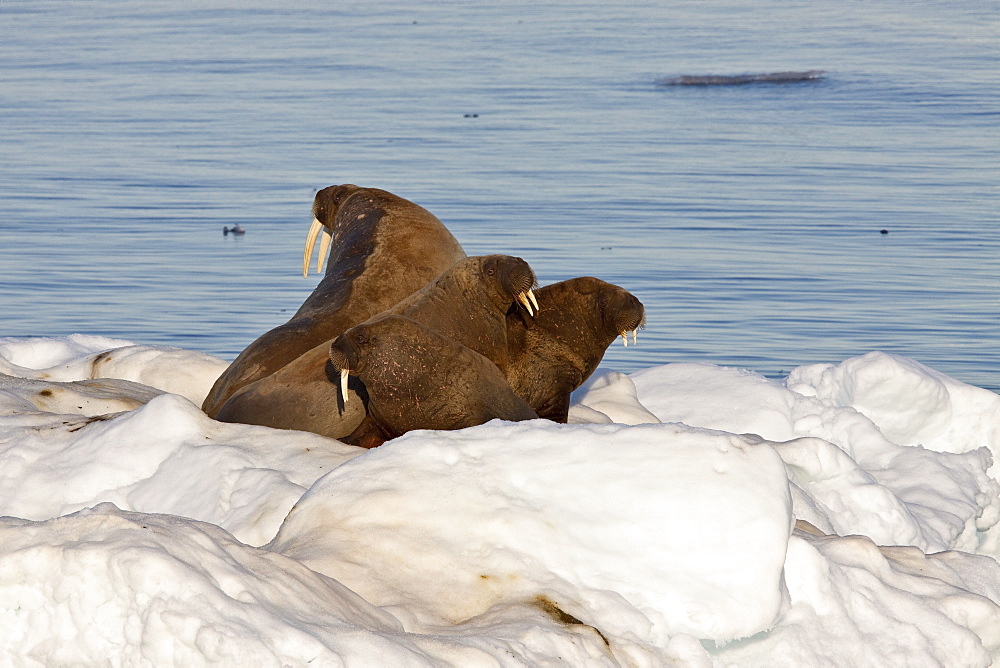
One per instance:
[(468, 304), (557, 350), (382, 248), (418, 379), (301, 395)]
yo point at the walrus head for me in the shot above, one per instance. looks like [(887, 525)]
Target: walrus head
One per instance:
[(622, 313), (513, 278), (555, 352), (587, 310), (324, 210), (345, 354)]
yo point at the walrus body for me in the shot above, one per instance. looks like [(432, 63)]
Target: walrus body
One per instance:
[(301, 395), (418, 379), (553, 353), (468, 304), (383, 248)]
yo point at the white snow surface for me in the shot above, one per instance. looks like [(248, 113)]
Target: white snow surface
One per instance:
[(657, 528)]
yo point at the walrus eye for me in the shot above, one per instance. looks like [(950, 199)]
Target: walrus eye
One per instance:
[(491, 271), (361, 338)]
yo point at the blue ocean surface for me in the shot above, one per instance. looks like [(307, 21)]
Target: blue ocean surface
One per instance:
[(747, 218)]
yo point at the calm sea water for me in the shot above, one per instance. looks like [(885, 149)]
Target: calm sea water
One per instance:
[(746, 218)]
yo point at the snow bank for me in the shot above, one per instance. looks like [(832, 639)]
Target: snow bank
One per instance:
[(608, 396), (442, 526), (51, 351), (853, 603), (161, 590), (188, 373), (851, 478), (616, 540), (82, 397), (166, 457), (939, 413)]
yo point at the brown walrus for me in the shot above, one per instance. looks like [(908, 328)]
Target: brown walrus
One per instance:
[(467, 304), (383, 248), (554, 352), (301, 395), (419, 379)]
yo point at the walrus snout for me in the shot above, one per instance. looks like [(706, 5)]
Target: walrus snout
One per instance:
[(625, 314), (344, 356), (517, 279), (621, 311), (325, 206)]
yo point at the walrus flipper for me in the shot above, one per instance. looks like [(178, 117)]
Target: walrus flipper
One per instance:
[(367, 435)]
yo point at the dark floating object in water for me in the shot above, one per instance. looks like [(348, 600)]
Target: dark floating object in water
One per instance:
[(740, 79), (472, 115), (883, 231), (235, 229)]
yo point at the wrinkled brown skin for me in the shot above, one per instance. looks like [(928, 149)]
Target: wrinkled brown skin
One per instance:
[(469, 303), (419, 379), (384, 248), (303, 395), (555, 352)]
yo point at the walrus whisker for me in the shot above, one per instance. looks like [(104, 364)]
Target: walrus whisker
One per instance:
[(324, 250), (314, 231), (343, 382)]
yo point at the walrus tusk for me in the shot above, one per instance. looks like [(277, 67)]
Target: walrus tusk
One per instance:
[(624, 338), (523, 298), (635, 332), (531, 296), (324, 249), (314, 231), (343, 383)]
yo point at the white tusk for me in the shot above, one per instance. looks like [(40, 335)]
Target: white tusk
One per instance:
[(343, 383), (634, 333), (522, 297), (314, 231), (324, 249), (531, 296), (624, 338)]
